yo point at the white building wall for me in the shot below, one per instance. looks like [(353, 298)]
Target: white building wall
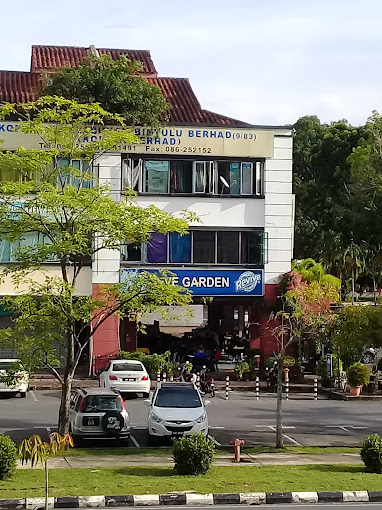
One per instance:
[(106, 263), (278, 210)]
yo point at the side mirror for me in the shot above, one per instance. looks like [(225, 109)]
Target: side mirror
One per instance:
[(147, 401), (207, 402)]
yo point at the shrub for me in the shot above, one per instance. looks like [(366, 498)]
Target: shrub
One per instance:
[(371, 453), (321, 367), (152, 362), (193, 455), (8, 457), (358, 375), (241, 367)]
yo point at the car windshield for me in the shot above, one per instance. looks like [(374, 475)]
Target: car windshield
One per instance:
[(178, 397), (127, 367), (97, 404)]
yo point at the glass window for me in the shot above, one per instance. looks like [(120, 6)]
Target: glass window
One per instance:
[(157, 249), (132, 252), (180, 248), (131, 172), (97, 404), (253, 248), (177, 397), (181, 176), (5, 251), (228, 247), (259, 178), (156, 173), (199, 177), (71, 173), (127, 367), (223, 178), (234, 178), (204, 246), (246, 178)]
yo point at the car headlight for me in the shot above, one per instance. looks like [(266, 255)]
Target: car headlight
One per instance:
[(156, 418), (201, 418)]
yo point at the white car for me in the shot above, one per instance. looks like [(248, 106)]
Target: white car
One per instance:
[(176, 409), (12, 381), (126, 376)]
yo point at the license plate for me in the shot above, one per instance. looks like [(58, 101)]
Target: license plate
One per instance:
[(129, 379), (89, 421), (177, 433)]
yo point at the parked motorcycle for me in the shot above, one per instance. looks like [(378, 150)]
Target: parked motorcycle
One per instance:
[(185, 373), (272, 378), (206, 382)]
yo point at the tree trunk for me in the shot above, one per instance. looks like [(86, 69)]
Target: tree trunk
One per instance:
[(46, 485), (63, 415), (279, 411)]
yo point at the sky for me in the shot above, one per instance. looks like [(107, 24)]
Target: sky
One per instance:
[(261, 61)]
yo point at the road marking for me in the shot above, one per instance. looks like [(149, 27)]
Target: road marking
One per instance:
[(135, 441), (292, 440), (273, 427), (33, 395), (214, 440), (346, 428)]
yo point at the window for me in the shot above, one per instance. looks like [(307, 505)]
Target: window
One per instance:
[(202, 247), (8, 251), (180, 248), (156, 176), (181, 176), (177, 396), (228, 247), (74, 172), (157, 249), (231, 178)]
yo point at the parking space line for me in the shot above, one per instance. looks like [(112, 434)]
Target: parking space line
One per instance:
[(214, 440), (33, 395), (136, 444), (292, 440)]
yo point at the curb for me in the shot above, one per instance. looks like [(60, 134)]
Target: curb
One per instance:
[(192, 499)]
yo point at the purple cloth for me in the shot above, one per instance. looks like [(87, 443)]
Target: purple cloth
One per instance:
[(157, 249)]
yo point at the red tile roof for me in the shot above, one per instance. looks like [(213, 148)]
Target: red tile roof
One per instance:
[(53, 57), (18, 86)]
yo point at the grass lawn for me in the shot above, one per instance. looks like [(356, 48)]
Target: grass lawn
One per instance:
[(154, 480), (167, 452)]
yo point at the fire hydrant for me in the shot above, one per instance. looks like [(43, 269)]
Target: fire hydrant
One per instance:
[(237, 443)]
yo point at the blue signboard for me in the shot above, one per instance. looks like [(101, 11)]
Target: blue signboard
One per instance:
[(211, 282)]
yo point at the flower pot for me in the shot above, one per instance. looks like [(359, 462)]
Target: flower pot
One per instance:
[(356, 390)]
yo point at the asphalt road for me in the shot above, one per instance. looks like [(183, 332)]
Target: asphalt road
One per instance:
[(306, 422)]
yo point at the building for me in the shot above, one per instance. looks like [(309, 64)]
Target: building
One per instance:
[(236, 177)]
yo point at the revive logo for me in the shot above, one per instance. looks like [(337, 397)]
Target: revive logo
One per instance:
[(247, 282)]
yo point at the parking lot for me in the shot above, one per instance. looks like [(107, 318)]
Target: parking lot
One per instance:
[(306, 422)]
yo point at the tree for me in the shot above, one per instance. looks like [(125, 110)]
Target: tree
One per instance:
[(117, 85), (324, 226), (307, 293), (34, 450), (73, 223)]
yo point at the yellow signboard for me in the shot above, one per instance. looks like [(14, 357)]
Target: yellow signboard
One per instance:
[(171, 140)]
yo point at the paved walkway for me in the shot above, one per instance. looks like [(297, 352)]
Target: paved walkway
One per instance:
[(226, 459)]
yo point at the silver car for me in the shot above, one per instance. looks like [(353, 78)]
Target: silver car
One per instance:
[(98, 413)]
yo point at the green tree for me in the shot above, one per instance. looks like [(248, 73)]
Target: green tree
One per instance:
[(307, 293), (74, 222), (117, 85), (35, 451)]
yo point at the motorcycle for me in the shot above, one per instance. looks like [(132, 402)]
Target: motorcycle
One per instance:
[(185, 373), (272, 378), (206, 382)]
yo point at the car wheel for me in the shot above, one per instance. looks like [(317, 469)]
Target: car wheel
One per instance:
[(77, 440), (153, 440), (23, 394), (145, 395)]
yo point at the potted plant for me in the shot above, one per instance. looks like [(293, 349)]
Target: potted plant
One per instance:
[(358, 375), (240, 368)]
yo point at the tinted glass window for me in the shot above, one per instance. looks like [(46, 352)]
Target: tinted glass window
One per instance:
[(177, 397), (204, 246), (228, 247), (127, 367), (97, 404), (6, 366), (181, 176)]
